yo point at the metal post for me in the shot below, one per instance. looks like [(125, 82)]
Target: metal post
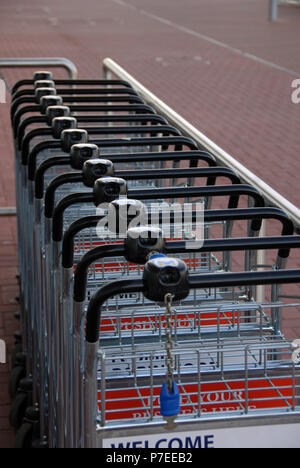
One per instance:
[(273, 10), (40, 62), (261, 260)]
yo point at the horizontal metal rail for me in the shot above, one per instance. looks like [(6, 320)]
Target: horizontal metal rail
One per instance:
[(272, 197), (40, 62), (10, 211)]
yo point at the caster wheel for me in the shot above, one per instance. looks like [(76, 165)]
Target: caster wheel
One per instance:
[(18, 409), (17, 374), (18, 349), (24, 436), (18, 336), (17, 315)]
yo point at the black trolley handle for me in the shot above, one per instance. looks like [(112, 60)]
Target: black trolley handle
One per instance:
[(137, 108), (21, 83), (129, 99), (193, 157), (210, 173), (78, 91), (142, 119), (210, 280), (238, 214), (66, 143), (233, 191), (165, 130), (283, 244)]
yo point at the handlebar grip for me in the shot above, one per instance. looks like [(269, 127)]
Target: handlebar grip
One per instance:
[(141, 241), (48, 101), (40, 92), (94, 169), (42, 75), (82, 152), (164, 275), (44, 84), (72, 137), (57, 111), (108, 189), (59, 124)]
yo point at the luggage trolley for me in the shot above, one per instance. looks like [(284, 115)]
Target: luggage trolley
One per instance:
[(220, 321), (127, 389)]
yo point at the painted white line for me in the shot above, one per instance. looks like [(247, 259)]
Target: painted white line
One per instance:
[(191, 32)]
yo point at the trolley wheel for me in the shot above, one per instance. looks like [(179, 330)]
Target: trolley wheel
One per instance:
[(18, 336), (17, 373), (17, 315), (17, 349), (24, 436), (17, 410)]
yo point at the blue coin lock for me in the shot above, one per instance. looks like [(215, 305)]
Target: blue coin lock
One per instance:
[(169, 401)]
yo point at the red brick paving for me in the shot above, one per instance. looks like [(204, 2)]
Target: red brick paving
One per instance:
[(242, 104)]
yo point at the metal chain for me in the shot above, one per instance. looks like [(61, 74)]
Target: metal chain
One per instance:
[(169, 341)]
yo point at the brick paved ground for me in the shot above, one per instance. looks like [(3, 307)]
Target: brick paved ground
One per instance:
[(220, 64)]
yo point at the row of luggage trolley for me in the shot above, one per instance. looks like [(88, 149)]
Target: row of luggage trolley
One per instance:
[(136, 329)]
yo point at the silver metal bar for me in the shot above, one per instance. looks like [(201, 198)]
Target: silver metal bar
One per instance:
[(40, 62), (10, 211), (273, 10), (272, 197)]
